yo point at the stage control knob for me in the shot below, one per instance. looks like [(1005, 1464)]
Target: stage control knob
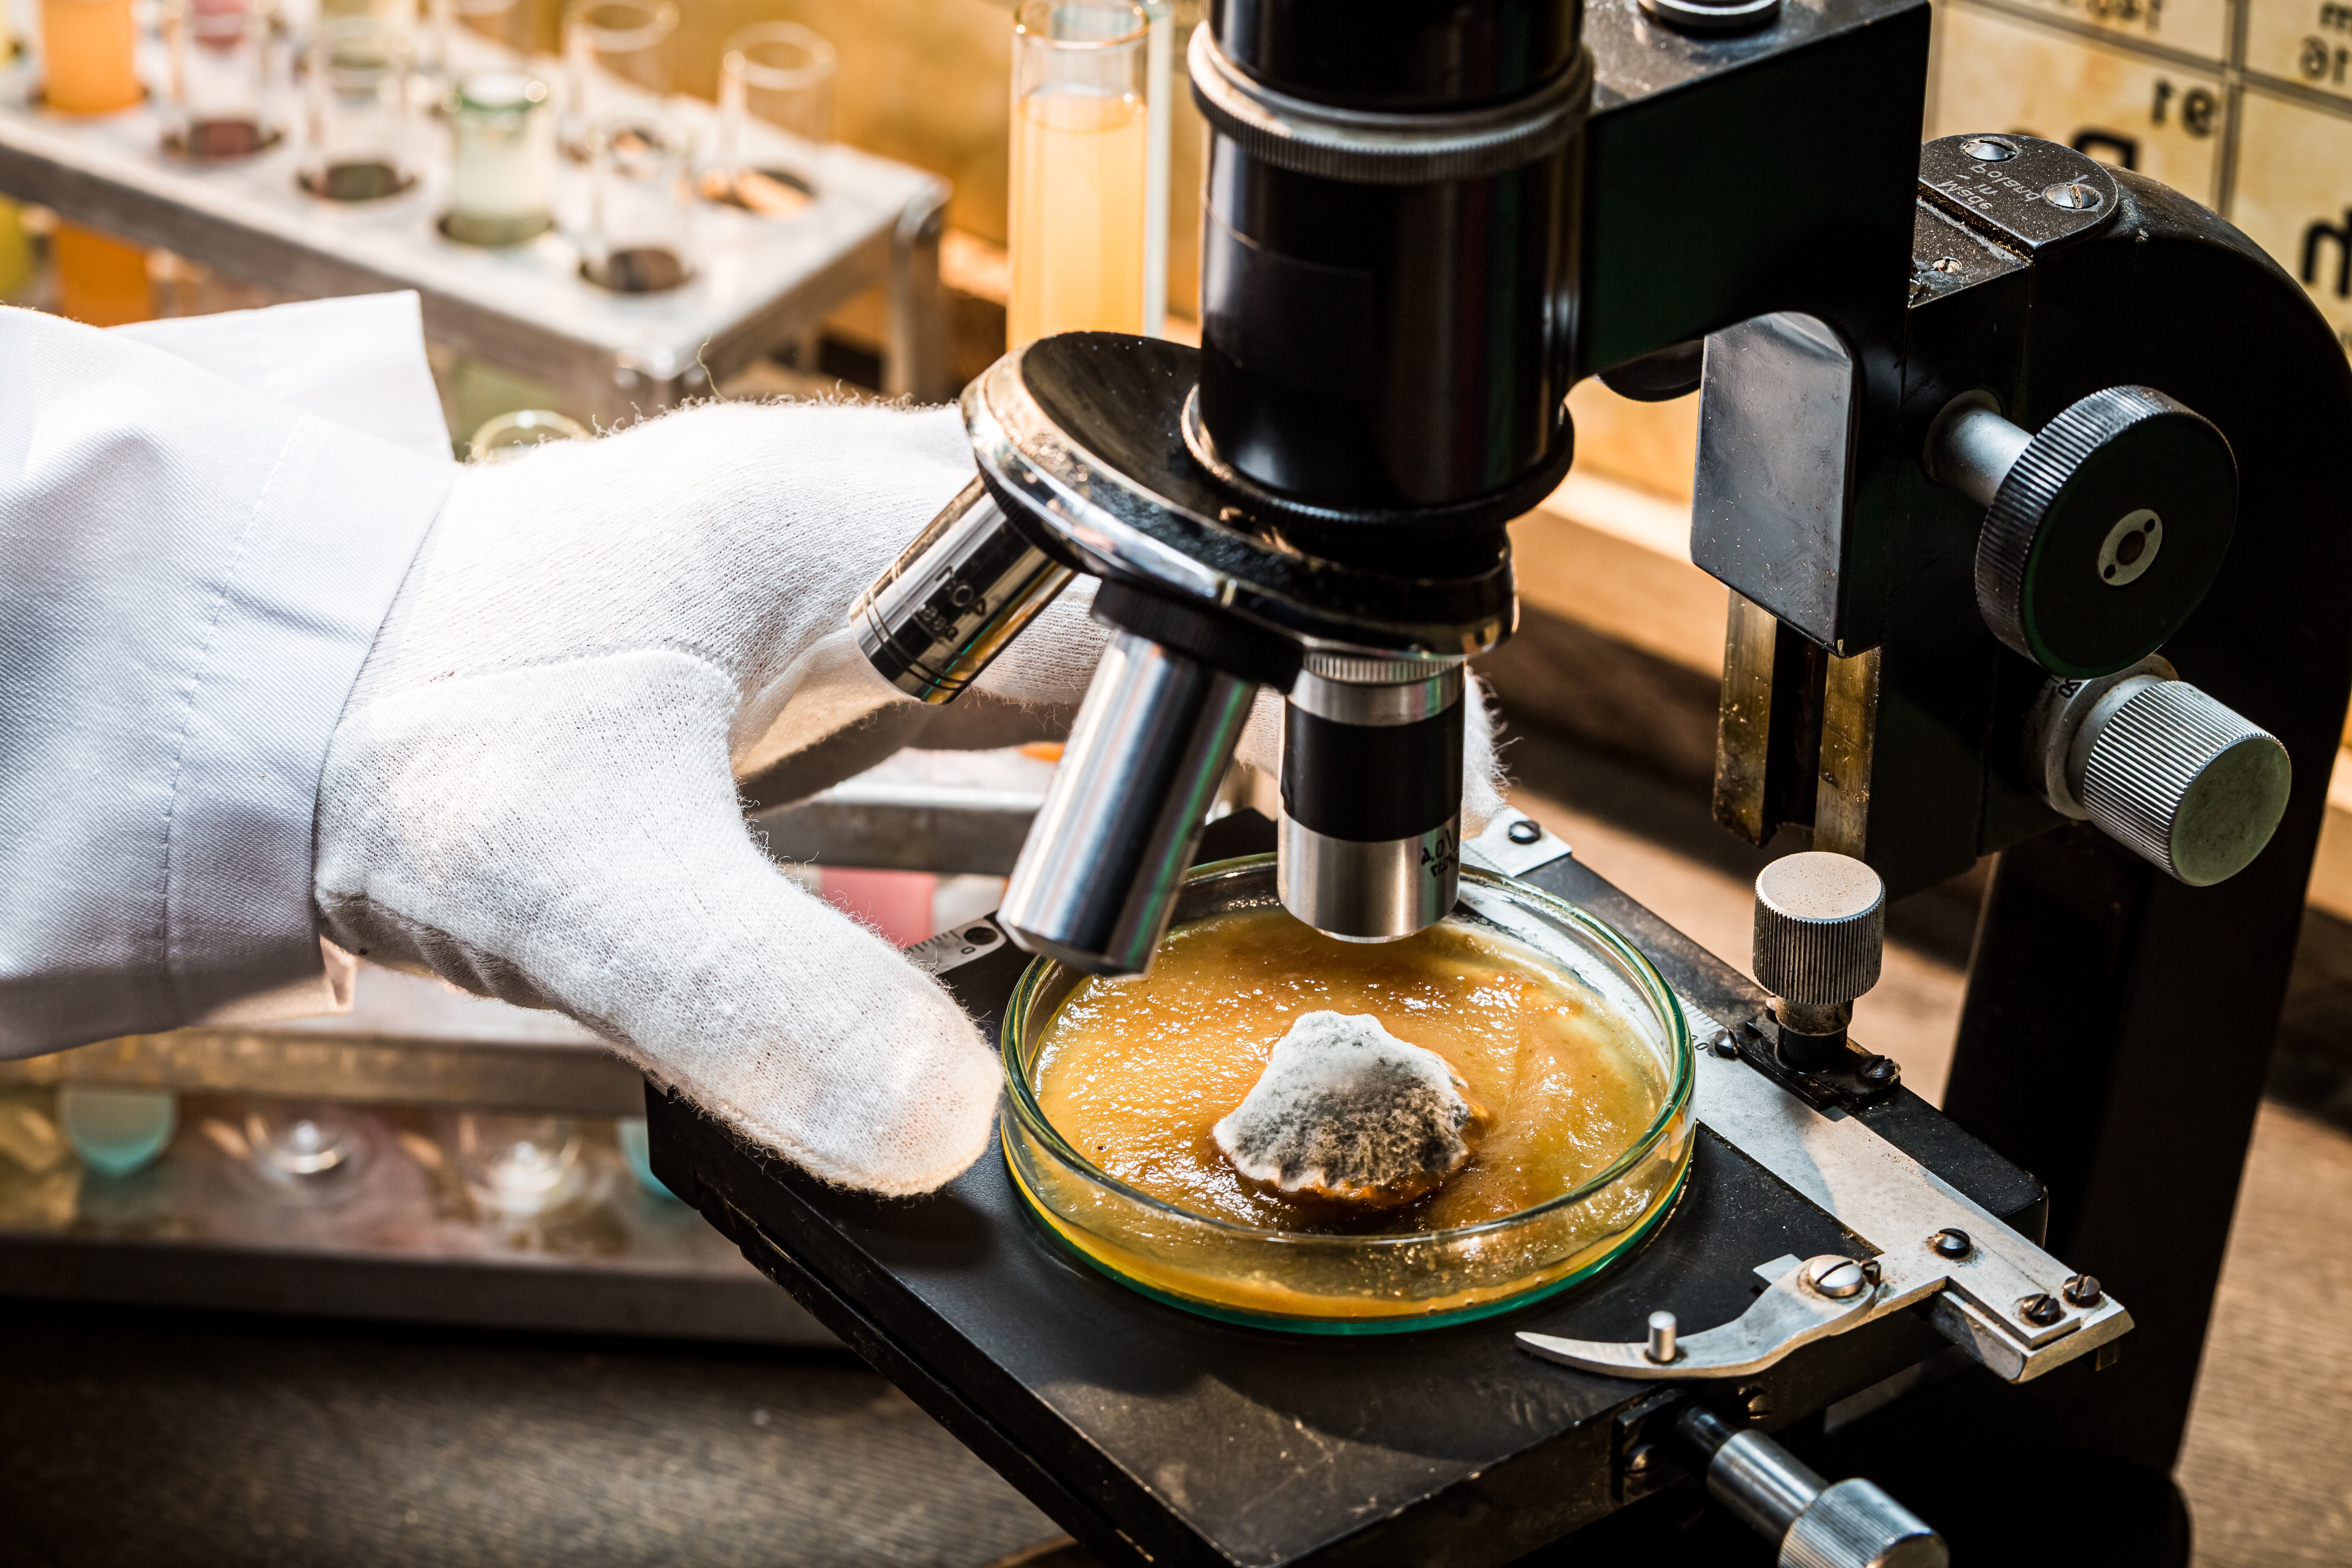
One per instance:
[(1820, 934), (2103, 530), (2183, 781), (1818, 1524)]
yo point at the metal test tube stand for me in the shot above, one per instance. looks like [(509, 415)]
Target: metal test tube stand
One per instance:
[(761, 283)]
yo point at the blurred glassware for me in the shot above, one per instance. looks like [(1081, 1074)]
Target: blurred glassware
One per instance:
[(640, 206), (218, 99), (357, 141), (89, 50), (781, 73), (400, 16), (637, 1148), (18, 261), (117, 1131), (609, 46), (506, 23), (1159, 100), (304, 1139), (40, 1180), (29, 1138), (518, 1165), (1080, 168), (502, 159), (506, 436), (100, 279)]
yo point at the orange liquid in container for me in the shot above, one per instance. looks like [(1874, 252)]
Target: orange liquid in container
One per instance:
[(1077, 216), (86, 52)]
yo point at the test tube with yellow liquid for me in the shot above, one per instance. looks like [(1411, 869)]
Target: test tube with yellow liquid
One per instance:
[(87, 49), (1080, 164)]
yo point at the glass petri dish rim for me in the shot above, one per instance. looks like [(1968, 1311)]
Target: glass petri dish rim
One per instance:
[(1033, 1118), (1357, 1327)]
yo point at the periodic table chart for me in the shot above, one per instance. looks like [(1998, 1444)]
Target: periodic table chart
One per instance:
[(2244, 104)]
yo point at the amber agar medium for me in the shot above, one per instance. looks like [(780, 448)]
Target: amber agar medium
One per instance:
[(1381, 1282)]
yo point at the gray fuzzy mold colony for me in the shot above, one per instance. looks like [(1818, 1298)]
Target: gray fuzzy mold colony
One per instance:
[(1345, 1111)]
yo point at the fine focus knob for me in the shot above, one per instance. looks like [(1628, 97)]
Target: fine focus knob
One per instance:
[(1820, 928), (2181, 780), (2103, 530)]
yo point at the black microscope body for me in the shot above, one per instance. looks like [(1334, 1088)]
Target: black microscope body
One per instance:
[(1393, 310)]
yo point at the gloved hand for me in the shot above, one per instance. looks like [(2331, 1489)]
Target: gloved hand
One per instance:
[(534, 790)]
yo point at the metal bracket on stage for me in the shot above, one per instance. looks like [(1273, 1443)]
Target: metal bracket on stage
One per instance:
[(1984, 1287)]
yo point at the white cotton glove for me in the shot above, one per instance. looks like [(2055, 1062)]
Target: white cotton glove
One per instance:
[(530, 792), (533, 792)]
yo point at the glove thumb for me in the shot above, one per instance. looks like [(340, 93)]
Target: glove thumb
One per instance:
[(569, 836)]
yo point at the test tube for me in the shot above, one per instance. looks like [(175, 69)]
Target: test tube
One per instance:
[(1159, 54), (100, 279), (503, 438), (781, 73), (117, 1131), (304, 1139), (355, 97), (456, 23), (609, 46), (1081, 154), (637, 1148), (518, 1165), (638, 206), (219, 62), (88, 49), (502, 159)]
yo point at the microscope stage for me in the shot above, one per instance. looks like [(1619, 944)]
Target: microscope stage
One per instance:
[(1150, 1433)]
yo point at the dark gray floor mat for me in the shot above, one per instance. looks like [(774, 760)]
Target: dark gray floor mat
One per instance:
[(130, 1440)]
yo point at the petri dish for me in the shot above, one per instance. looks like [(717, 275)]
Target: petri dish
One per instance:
[(1366, 1281)]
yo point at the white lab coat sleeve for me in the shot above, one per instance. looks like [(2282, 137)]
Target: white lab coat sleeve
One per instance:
[(191, 575), (358, 359)]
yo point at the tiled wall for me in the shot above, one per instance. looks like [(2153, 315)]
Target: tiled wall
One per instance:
[(2244, 104)]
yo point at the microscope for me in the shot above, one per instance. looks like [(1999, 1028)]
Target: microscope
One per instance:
[(2011, 461)]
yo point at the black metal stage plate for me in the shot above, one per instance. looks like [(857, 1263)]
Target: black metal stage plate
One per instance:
[(1152, 1434)]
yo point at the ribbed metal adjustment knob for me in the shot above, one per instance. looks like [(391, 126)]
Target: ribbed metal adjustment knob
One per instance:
[(1853, 1524), (1850, 1524), (2183, 781), (1820, 928), (2105, 529)]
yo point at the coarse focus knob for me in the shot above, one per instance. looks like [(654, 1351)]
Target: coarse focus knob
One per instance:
[(2103, 530), (2181, 780), (1855, 1524), (1820, 928), (1818, 1524)]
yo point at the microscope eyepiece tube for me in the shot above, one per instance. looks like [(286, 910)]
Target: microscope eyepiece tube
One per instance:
[(1357, 176), (1108, 853), (954, 599), (1371, 796)]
